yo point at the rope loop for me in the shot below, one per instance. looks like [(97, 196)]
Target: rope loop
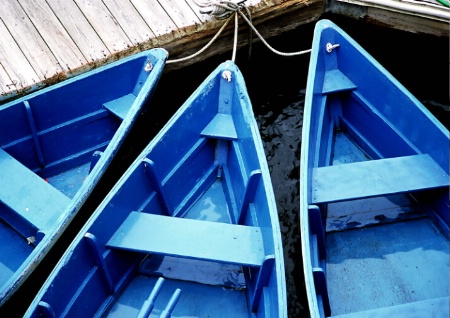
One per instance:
[(220, 9)]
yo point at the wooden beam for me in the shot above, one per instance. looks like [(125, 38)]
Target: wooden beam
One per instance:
[(389, 18)]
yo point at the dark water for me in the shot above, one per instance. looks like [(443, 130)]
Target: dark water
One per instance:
[(281, 134), (276, 87)]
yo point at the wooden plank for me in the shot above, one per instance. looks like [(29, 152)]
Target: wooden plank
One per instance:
[(120, 106), (79, 29), (105, 25), (29, 40), (336, 81), (376, 177), (29, 195), (130, 20), (389, 18), (20, 74), (155, 16), (180, 12), (196, 9), (405, 22), (196, 239), (54, 34), (6, 84)]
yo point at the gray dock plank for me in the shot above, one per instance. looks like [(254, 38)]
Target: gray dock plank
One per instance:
[(105, 25), (130, 20), (47, 41), (80, 30), (54, 34), (5, 81), (155, 16), (16, 71), (32, 45), (180, 12)]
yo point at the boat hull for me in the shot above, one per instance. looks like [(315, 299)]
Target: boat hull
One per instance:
[(190, 229), (374, 188), (56, 145)]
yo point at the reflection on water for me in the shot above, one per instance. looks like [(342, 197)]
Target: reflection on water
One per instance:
[(280, 122)]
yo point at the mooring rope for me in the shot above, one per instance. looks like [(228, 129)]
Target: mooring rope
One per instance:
[(221, 9), (203, 48), (226, 9), (267, 44)]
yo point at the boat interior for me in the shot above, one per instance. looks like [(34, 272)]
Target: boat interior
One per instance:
[(379, 212), (378, 189), (187, 231), (50, 142)]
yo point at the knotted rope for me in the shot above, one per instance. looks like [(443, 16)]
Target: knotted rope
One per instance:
[(226, 9), (221, 9)]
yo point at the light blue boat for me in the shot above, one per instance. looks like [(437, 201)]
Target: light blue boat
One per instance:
[(56, 144), (190, 230), (374, 189)]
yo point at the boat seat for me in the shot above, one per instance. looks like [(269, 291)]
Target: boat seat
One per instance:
[(221, 127), (196, 239), (335, 81), (119, 107), (179, 237), (30, 204), (376, 177)]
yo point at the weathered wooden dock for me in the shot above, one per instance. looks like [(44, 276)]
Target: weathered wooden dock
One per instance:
[(429, 17), (45, 41)]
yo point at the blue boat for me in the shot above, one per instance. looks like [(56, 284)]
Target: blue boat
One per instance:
[(190, 230), (374, 189), (56, 144)]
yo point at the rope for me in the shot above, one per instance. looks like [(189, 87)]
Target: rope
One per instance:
[(267, 44), (221, 9), (236, 24), (225, 9), (202, 49)]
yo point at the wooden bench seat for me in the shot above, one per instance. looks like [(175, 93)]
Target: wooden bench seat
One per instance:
[(120, 106), (197, 239), (376, 177), (30, 203), (203, 240)]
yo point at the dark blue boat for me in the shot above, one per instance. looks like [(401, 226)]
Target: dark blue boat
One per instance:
[(374, 190), (190, 230), (55, 146)]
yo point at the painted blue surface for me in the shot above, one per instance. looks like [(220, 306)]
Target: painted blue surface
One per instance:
[(374, 189), (362, 267), (191, 228), (47, 141)]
